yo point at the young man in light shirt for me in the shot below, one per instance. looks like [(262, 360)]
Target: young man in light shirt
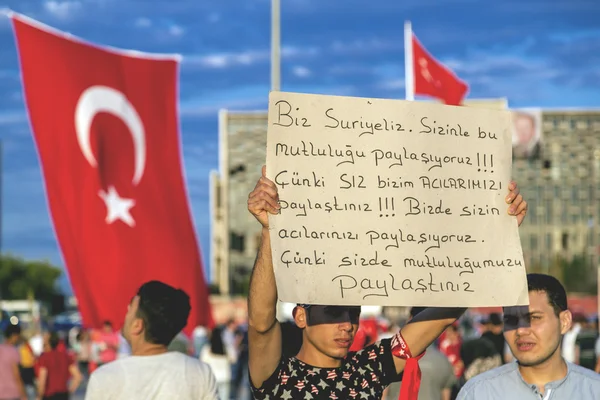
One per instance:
[(535, 335)]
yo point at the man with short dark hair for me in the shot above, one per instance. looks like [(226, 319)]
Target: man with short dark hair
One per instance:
[(534, 335), (155, 316), (324, 367)]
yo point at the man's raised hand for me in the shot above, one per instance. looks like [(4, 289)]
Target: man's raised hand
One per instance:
[(518, 206), (264, 199)]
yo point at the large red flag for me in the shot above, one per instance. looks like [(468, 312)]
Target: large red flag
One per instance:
[(432, 78), (107, 132)]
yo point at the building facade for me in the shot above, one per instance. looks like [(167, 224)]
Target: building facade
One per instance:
[(562, 187)]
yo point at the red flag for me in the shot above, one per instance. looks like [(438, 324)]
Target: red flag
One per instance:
[(434, 79), (106, 128)]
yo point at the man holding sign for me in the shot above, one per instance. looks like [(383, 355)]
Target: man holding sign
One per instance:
[(324, 368)]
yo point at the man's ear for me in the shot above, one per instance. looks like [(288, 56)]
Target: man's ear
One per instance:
[(300, 317), (566, 321), (137, 327)]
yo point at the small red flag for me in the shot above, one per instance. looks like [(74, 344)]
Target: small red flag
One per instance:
[(434, 79), (106, 128)]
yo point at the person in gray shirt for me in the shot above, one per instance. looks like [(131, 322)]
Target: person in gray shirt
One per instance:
[(437, 375), (534, 335)]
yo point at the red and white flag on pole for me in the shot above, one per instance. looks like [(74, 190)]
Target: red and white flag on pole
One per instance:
[(106, 128), (427, 76)]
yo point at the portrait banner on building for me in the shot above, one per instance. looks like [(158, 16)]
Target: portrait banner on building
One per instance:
[(391, 202), (526, 133)]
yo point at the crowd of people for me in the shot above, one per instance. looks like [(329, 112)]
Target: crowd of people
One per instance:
[(540, 351), (53, 365)]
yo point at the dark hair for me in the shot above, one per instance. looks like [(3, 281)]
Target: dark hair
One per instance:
[(495, 319), (53, 340), (164, 310), (555, 291), (216, 341), (416, 310), (12, 330)]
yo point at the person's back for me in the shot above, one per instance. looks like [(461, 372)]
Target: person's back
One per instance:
[(9, 361), (171, 375), (11, 384), (155, 316), (57, 365), (437, 377)]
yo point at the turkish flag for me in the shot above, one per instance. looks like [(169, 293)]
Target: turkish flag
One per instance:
[(106, 128), (432, 78)]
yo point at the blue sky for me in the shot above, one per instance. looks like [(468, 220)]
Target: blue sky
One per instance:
[(536, 53)]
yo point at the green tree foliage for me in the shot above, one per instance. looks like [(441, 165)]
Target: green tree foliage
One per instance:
[(578, 275), (19, 278)]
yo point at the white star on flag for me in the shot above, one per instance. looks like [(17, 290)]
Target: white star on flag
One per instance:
[(117, 208)]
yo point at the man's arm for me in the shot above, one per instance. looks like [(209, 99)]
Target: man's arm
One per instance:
[(76, 378), (17, 375), (425, 327), (446, 394), (41, 383), (264, 332)]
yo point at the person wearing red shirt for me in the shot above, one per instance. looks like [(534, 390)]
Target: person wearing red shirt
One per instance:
[(56, 368)]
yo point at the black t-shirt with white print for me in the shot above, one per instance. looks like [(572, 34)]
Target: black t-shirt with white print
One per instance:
[(362, 375)]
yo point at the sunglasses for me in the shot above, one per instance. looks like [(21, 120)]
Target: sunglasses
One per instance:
[(317, 314)]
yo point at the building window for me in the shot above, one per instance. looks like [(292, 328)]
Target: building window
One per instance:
[(549, 211), (237, 242), (533, 242), (565, 241), (548, 241), (532, 207), (237, 169)]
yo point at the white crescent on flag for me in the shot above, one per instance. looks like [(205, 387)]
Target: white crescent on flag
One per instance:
[(96, 99), (92, 101)]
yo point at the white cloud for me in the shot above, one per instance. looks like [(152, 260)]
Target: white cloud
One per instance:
[(393, 84), (225, 60), (176, 30), (12, 117), (246, 57), (301, 72), (62, 9), (189, 109), (365, 46), (143, 22)]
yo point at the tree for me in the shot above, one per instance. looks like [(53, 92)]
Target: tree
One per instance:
[(578, 275), (19, 278)]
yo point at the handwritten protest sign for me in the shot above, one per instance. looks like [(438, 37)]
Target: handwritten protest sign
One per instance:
[(389, 202)]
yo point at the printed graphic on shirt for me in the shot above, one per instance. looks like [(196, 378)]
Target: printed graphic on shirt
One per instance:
[(363, 375)]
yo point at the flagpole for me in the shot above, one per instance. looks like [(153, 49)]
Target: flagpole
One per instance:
[(409, 76), (275, 46)]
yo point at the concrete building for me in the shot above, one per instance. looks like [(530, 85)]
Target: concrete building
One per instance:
[(562, 187)]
